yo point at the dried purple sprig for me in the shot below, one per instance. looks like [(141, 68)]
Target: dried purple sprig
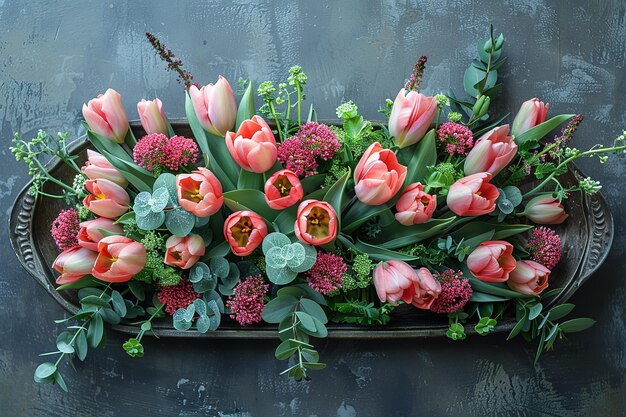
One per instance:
[(173, 63), (416, 76)]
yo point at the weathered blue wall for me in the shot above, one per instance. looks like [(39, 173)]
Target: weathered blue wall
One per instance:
[(56, 55)]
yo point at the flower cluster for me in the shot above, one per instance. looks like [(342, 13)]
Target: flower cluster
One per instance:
[(418, 72), (64, 229), (455, 292), (544, 246), (313, 143), (157, 153), (248, 301), (326, 276), (456, 138), (177, 296)]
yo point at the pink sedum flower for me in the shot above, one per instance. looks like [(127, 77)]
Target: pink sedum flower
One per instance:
[(458, 139), (326, 275), (183, 252), (492, 261), (473, 195), (248, 302), (214, 106), (177, 296), (415, 206), (200, 192), (529, 277), (105, 116), (106, 198), (492, 153), (151, 116), (73, 264), (97, 166), (253, 147), (64, 229), (244, 231), (544, 246), (411, 117), (532, 113), (283, 189), (378, 175)]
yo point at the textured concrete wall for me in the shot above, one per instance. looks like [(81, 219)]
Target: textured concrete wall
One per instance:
[(56, 55)]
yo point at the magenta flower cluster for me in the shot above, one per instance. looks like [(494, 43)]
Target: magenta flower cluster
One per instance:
[(455, 292), (544, 246), (248, 302), (457, 138), (177, 296), (65, 228), (313, 143), (326, 275), (155, 152)]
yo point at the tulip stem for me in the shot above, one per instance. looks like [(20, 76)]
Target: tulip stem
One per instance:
[(280, 133), (299, 89)]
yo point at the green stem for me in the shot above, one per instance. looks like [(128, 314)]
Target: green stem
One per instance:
[(51, 178), (299, 89), (280, 133), (439, 109)]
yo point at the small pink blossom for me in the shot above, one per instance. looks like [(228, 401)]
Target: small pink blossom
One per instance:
[(65, 228), (248, 302), (326, 275)]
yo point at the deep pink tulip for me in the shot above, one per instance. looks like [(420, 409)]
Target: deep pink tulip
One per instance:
[(395, 281), (283, 189), (73, 264), (105, 116), (106, 198), (215, 106), (253, 147), (378, 175), (427, 289), (152, 117), (415, 206), (545, 209), (411, 117), (119, 258), (316, 222), (492, 261), (244, 231), (531, 113), (91, 232), (200, 192), (185, 251), (529, 277), (473, 195), (492, 152), (97, 166)]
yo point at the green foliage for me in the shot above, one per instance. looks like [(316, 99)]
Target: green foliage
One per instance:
[(361, 312), (284, 260), (218, 274), (133, 348), (510, 197), (360, 273)]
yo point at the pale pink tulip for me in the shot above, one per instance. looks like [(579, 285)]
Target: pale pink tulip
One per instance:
[(492, 261), (531, 113), (545, 209), (215, 106), (106, 198), (185, 251), (105, 116), (119, 259), (411, 117), (378, 175), (73, 264), (415, 206), (152, 117), (473, 195), (492, 152), (200, 192), (316, 222), (427, 289), (97, 166), (529, 277), (244, 231), (253, 147), (395, 281), (91, 232), (283, 189)]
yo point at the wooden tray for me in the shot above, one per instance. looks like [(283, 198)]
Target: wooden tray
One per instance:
[(586, 235)]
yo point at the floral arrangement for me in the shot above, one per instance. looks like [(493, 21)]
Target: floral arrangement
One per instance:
[(272, 216)]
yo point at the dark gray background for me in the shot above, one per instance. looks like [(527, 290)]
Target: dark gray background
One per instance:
[(56, 55)]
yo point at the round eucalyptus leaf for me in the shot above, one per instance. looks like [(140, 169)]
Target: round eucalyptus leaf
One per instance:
[(274, 239), (151, 220), (200, 306), (141, 206), (159, 199), (179, 222), (203, 324), (168, 181), (198, 272), (214, 296), (280, 276), (204, 285), (505, 206), (298, 255), (45, 370), (274, 258), (309, 259), (219, 266), (64, 342), (202, 221), (181, 325), (513, 194)]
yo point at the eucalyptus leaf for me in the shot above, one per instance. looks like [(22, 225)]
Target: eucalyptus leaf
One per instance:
[(150, 221), (274, 240), (179, 222)]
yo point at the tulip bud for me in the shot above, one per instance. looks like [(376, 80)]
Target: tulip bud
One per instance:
[(244, 231), (200, 192), (492, 152), (91, 232), (529, 277), (119, 259), (106, 198), (411, 117), (215, 106), (73, 264), (378, 175), (283, 189), (545, 209), (152, 117), (316, 222), (105, 116), (473, 195), (427, 289), (415, 206), (492, 261), (97, 166), (532, 113), (253, 147), (183, 252), (394, 281)]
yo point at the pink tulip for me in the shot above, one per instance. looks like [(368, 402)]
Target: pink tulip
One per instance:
[(97, 166), (411, 117), (473, 195), (91, 232), (283, 189), (215, 106), (119, 258), (395, 281), (244, 231), (378, 175), (545, 209), (106, 198), (415, 206), (105, 116), (183, 252), (529, 277), (427, 289), (492, 261), (73, 264), (532, 113), (316, 222), (200, 192), (253, 147), (152, 117), (492, 152)]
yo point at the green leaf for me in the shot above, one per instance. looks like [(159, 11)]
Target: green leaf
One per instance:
[(273, 240), (203, 324), (93, 300), (376, 252), (95, 331), (504, 230), (560, 311), (424, 156), (306, 321), (490, 288), (310, 256), (279, 308), (541, 130), (250, 180), (250, 200), (408, 235), (81, 345), (118, 303), (314, 366), (479, 297), (45, 370), (219, 266), (513, 194), (179, 222), (58, 378), (86, 281), (534, 311), (280, 276), (64, 342), (150, 221), (109, 316), (517, 328), (313, 309), (576, 325), (334, 195), (167, 181), (286, 220), (246, 106), (285, 350)]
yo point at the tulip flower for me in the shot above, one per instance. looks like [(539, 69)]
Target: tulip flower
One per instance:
[(215, 106), (378, 175), (411, 117), (106, 198), (119, 258), (545, 209), (529, 277), (152, 117), (394, 281), (185, 251), (427, 289), (91, 232), (200, 192), (492, 152), (105, 116), (316, 222), (73, 264), (415, 206), (283, 189), (97, 166), (472, 195), (244, 231), (492, 261), (531, 113), (253, 147)]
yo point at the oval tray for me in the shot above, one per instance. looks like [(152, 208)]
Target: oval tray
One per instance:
[(586, 235)]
